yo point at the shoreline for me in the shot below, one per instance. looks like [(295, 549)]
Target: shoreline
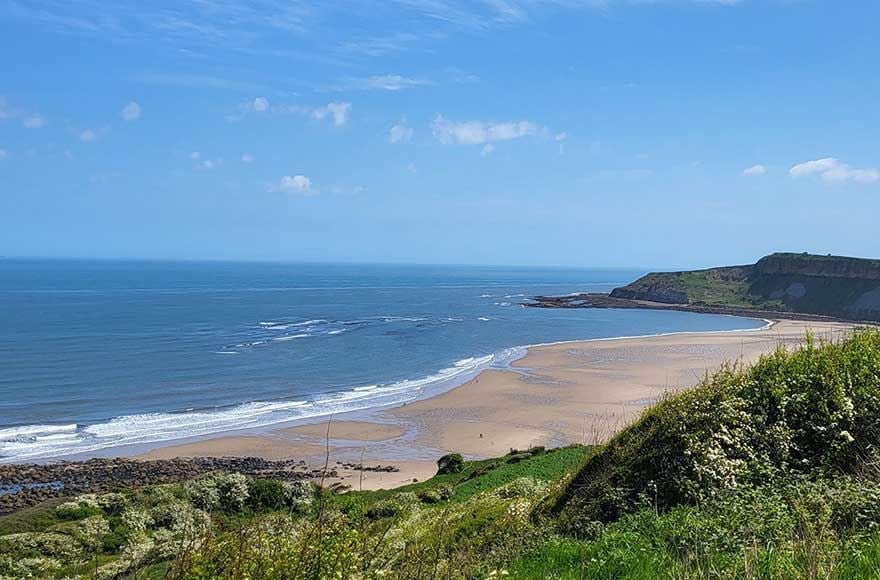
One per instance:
[(556, 394), (578, 391), (443, 381)]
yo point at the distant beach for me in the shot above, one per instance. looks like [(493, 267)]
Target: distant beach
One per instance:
[(571, 392)]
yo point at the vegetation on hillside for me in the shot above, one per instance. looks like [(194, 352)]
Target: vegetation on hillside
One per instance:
[(805, 283), (769, 471)]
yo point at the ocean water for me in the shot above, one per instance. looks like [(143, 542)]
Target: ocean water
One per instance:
[(101, 354)]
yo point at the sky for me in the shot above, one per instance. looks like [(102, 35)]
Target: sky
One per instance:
[(630, 133)]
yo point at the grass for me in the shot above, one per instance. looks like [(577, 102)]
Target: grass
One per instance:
[(484, 475)]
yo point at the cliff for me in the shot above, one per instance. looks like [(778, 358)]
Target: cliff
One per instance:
[(802, 283)]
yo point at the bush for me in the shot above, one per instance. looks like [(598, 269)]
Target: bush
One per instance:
[(451, 463), (299, 495), (265, 494), (815, 410), (227, 492)]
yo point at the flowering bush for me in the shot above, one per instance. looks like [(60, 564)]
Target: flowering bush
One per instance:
[(226, 491), (810, 411)]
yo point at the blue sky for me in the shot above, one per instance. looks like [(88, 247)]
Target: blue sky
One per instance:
[(535, 132)]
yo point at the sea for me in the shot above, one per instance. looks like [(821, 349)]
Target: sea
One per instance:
[(99, 355)]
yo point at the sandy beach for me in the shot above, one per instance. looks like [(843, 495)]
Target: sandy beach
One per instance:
[(577, 392)]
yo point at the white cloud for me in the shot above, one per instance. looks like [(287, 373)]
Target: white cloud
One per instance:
[(260, 104), (487, 149), (88, 136), (247, 158), (400, 133), (561, 136), (200, 163), (299, 184), (130, 112), (387, 83), (832, 170), (35, 121), (480, 132), (3, 154), (754, 170), (338, 111)]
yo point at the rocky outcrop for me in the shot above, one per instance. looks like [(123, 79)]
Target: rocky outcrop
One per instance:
[(24, 485), (828, 286)]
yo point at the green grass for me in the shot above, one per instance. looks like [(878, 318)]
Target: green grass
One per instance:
[(33, 519), (484, 475)]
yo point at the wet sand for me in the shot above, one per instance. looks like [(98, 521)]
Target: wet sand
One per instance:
[(578, 392)]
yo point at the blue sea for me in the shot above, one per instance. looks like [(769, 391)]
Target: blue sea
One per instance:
[(101, 354)]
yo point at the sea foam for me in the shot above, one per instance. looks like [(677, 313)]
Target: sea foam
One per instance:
[(31, 442)]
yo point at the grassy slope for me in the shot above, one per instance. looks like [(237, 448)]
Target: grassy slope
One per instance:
[(831, 285)]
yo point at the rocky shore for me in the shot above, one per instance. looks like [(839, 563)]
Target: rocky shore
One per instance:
[(25, 485), (590, 300)]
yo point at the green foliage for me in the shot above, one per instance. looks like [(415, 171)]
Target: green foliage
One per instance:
[(451, 463), (797, 528), (265, 495), (812, 411)]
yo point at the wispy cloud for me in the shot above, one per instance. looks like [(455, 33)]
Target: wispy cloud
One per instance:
[(754, 170), (130, 112), (3, 154), (202, 163), (300, 29), (480, 132), (832, 170), (388, 82), (296, 184), (400, 132), (195, 81), (91, 135), (35, 121), (339, 112)]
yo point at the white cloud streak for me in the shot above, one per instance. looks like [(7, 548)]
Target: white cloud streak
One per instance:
[(400, 133), (832, 170), (130, 112), (297, 184), (754, 170), (339, 112), (480, 132)]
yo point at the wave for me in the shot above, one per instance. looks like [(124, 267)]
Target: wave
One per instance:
[(35, 442)]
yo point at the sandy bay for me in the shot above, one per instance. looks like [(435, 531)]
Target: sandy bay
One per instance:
[(572, 392)]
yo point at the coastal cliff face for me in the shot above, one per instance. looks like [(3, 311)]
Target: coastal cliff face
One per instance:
[(827, 285)]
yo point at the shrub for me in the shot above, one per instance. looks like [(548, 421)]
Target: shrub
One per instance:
[(299, 495), (79, 508), (265, 494), (227, 492), (811, 411), (451, 463)]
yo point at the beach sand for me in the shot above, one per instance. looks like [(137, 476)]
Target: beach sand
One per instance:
[(578, 392)]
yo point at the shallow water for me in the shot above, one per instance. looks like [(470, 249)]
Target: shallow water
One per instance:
[(98, 354)]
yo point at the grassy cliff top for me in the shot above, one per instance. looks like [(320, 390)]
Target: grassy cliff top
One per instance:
[(805, 283)]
